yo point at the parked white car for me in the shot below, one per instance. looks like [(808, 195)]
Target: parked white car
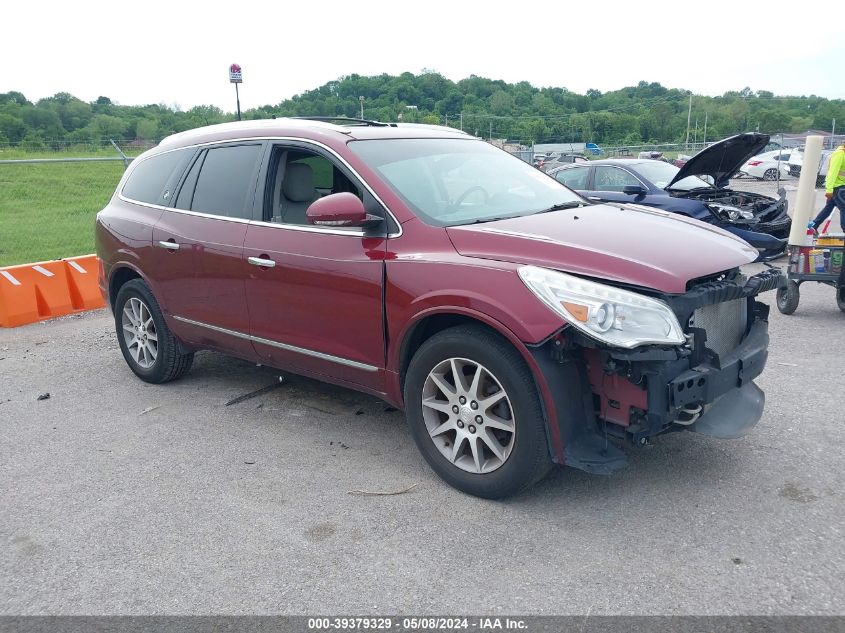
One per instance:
[(796, 159), (765, 166)]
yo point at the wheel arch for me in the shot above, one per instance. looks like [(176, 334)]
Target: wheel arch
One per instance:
[(432, 321), (119, 274)]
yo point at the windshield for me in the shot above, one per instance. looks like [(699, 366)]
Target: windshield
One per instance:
[(448, 182), (661, 174)]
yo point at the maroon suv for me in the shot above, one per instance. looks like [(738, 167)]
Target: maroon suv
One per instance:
[(516, 323)]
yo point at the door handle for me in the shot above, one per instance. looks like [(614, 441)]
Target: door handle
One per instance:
[(594, 198), (260, 261), (171, 246)]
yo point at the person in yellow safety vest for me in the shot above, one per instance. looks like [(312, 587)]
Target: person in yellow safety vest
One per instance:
[(834, 189)]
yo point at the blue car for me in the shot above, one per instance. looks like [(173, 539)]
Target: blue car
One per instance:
[(699, 190)]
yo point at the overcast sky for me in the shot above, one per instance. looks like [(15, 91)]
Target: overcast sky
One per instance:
[(178, 53)]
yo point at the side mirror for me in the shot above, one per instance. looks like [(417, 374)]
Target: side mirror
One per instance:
[(339, 209), (634, 190)]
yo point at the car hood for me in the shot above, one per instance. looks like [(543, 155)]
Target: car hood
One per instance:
[(721, 160), (628, 244)]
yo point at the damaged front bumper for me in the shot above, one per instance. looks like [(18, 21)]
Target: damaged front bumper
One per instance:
[(606, 395), (730, 403)]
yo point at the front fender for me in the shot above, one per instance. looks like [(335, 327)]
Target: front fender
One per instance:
[(515, 313)]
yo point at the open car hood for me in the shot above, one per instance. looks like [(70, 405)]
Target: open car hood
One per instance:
[(723, 159)]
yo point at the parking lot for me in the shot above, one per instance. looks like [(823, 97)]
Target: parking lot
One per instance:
[(120, 497)]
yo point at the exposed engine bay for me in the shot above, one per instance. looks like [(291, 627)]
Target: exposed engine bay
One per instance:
[(741, 207)]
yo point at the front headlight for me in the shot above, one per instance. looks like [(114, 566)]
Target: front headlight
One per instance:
[(610, 315), (729, 213)]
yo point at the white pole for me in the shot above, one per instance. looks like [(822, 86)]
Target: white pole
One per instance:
[(689, 116), (704, 140), (806, 198)]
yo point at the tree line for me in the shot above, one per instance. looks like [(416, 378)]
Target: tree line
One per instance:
[(645, 113)]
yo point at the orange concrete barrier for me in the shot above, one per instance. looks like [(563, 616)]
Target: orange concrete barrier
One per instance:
[(35, 292)]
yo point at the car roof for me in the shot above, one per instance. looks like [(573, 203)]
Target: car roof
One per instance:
[(624, 162), (619, 162), (308, 129)]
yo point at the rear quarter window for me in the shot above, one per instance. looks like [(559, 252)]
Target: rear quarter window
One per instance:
[(151, 179)]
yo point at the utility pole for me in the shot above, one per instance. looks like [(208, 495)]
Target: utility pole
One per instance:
[(704, 140), (447, 119), (462, 122), (689, 117), (491, 131), (361, 100)]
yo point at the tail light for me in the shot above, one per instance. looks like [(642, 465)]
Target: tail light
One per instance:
[(754, 163)]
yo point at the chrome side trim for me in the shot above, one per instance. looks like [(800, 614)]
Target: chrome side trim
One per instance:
[(286, 226), (314, 229), (290, 348)]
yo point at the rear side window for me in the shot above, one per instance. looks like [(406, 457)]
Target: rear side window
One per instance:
[(575, 178), (151, 179), (226, 181)]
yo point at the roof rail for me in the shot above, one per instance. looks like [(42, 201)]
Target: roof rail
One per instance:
[(345, 120)]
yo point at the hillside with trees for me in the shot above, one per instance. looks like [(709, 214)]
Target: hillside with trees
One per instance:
[(645, 113)]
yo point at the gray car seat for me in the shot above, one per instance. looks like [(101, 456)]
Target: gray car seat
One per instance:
[(297, 193)]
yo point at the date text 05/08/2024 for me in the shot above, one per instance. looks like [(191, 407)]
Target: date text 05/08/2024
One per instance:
[(416, 624)]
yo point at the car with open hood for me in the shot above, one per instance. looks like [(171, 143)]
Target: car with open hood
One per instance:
[(699, 189), (517, 324)]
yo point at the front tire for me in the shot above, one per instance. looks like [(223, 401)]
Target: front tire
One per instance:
[(788, 298), (475, 414), (148, 346), (770, 174), (840, 298)]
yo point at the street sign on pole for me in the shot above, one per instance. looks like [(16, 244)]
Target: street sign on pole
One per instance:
[(236, 77)]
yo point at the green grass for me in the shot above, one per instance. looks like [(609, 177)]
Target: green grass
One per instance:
[(47, 209)]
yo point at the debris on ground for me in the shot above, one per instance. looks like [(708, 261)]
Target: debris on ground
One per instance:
[(43, 396), (368, 493), (248, 461), (256, 393), (148, 409)]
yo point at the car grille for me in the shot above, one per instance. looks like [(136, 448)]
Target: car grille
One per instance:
[(725, 324)]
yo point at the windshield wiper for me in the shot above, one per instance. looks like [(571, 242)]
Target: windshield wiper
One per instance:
[(482, 220), (573, 204)]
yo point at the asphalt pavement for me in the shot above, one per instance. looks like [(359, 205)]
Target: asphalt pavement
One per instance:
[(119, 497)]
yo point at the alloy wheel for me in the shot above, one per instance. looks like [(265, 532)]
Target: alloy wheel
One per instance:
[(139, 333), (468, 415)]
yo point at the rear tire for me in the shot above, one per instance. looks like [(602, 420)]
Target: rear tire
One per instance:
[(770, 174), (840, 298), (485, 436), (148, 346), (788, 297)]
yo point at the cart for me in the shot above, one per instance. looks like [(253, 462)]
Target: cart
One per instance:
[(822, 263)]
